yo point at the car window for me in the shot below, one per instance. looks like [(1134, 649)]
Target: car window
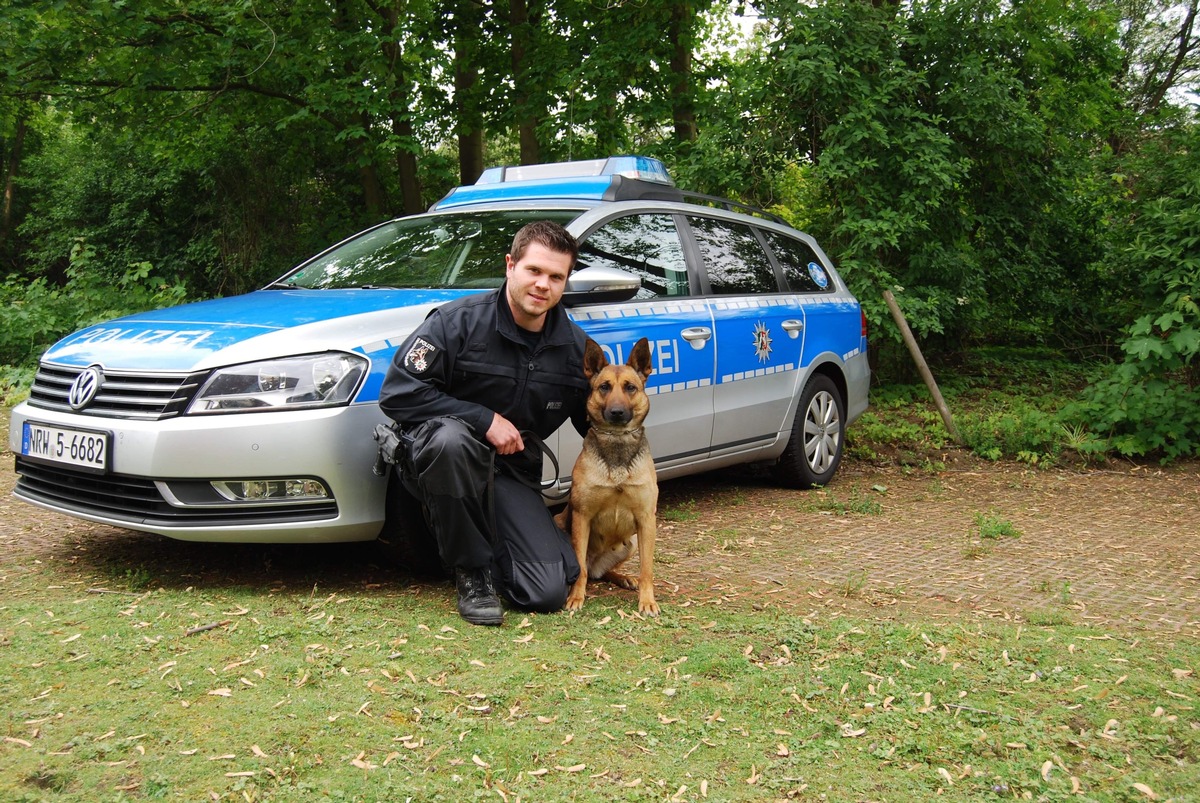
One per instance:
[(801, 267), (462, 250), (733, 258), (645, 245)]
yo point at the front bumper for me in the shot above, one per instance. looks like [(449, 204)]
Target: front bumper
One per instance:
[(161, 472)]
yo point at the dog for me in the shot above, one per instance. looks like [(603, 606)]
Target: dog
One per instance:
[(614, 489)]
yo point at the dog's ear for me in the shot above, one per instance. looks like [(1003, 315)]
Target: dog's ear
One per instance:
[(639, 358), (593, 359)]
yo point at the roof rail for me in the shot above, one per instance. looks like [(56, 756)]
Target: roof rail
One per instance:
[(731, 206)]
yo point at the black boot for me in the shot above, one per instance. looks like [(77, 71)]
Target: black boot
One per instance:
[(478, 602)]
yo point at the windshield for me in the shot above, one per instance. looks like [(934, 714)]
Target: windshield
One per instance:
[(463, 250)]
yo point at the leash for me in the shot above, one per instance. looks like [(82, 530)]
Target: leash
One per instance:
[(543, 486), (540, 486)]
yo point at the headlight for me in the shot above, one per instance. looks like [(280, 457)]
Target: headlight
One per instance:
[(289, 383)]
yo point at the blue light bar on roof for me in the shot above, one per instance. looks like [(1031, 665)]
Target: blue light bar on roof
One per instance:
[(639, 167)]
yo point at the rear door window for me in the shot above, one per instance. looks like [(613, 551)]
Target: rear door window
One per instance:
[(734, 259)]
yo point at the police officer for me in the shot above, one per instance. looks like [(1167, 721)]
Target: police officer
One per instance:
[(464, 385)]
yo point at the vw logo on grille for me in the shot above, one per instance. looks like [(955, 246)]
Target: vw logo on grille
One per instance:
[(85, 386)]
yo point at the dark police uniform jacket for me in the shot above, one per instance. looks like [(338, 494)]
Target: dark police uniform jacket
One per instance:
[(469, 359)]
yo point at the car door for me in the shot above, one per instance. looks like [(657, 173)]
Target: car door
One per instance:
[(676, 322), (760, 333)]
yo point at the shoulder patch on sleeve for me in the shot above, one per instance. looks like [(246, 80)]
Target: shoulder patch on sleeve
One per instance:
[(419, 356)]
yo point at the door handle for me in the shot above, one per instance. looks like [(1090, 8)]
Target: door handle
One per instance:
[(697, 336), (793, 327)]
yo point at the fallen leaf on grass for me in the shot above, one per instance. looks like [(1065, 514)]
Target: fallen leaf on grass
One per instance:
[(15, 740), (1047, 766), (256, 750), (574, 768), (479, 762), (1145, 790), (221, 693), (945, 773)]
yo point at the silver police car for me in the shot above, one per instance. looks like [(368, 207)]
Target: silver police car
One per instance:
[(249, 419)]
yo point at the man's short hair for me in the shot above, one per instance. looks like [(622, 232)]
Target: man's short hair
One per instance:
[(548, 234)]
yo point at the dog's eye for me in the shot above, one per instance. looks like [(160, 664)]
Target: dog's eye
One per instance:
[(630, 388), (605, 387)]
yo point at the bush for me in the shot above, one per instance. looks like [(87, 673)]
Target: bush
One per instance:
[(1149, 403), (40, 313)]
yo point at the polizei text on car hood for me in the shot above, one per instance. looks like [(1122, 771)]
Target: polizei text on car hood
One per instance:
[(266, 323)]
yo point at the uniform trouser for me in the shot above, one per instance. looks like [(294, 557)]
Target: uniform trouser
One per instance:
[(448, 470)]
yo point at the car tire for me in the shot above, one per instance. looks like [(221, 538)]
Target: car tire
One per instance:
[(405, 539), (814, 451)]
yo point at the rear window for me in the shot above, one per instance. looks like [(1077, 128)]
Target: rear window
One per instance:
[(801, 267), (445, 251)]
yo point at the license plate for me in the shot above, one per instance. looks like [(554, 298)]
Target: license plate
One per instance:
[(73, 447)]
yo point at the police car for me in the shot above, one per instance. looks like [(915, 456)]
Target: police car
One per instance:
[(250, 418)]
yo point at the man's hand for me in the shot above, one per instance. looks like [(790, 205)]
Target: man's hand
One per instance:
[(504, 436)]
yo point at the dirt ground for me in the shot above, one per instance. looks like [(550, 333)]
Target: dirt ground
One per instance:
[(1113, 546)]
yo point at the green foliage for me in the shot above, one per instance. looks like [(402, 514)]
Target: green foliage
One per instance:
[(39, 313), (1006, 403), (1023, 432), (1149, 403), (948, 150), (992, 526)]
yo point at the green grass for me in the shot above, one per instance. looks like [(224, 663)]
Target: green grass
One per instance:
[(1007, 403), (382, 693), (991, 526)]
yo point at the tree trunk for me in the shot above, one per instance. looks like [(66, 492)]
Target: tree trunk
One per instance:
[(468, 19), (683, 108), (402, 127), (521, 30), (11, 168)]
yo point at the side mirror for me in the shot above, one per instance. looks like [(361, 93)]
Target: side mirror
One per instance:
[(600, 284)]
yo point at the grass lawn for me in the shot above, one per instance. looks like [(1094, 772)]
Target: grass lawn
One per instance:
[(115, 691)]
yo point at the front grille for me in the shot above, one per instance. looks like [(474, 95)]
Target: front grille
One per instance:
[(122, 394), (137, 501)]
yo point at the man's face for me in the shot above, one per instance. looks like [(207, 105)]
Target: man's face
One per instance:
[(535, 284)]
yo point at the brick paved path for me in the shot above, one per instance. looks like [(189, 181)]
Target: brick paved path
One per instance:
[(1094, 547), (1104, 547)]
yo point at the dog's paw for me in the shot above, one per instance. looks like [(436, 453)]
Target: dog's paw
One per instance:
[(622, 580), (648, 607), (574, 602)]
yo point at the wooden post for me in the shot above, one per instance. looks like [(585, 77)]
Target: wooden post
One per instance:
[(926, 374)]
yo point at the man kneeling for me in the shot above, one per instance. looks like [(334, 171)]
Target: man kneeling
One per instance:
[(464, 385)]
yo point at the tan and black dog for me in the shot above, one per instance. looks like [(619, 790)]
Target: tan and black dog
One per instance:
[(614, 490)]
